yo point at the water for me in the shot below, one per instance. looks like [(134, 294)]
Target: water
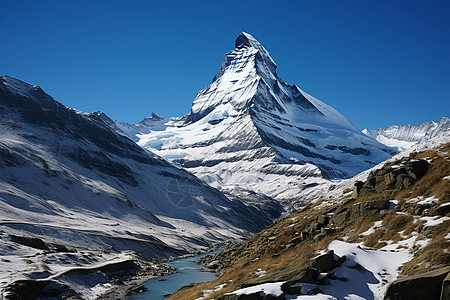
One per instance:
[(188, 271)]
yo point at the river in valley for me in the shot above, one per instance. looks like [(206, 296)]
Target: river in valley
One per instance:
[(188, 271)]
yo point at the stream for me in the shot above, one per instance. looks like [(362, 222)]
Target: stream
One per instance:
[(188, 271)]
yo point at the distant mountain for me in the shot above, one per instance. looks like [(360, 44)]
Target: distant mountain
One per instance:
[(406, 136), (66, 176), (250, 132)]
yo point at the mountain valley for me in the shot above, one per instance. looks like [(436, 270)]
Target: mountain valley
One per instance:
[(304, 205)]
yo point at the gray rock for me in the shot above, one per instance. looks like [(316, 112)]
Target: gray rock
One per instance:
[(326, 262), (368, 208), (443, 210), (215, 264), (357, 189), (445, 292), (292, 275), (340, 216), (417, 168), (426, 286), (389, 179), (323, 219), (314, 291), (291, 289)]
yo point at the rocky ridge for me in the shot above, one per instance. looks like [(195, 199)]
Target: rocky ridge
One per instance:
[(405, 136)]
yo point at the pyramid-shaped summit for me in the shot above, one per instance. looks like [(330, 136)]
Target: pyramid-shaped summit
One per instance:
[(249, 130)]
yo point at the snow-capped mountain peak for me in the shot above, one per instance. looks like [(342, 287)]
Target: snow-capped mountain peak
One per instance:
[(250, 130), (247, 40)]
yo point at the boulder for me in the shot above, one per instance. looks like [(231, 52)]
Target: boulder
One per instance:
[(445, 292), (291, 275), (215, 264), (291, 289), (368, 208), (323, 220), (443, 210), (326, 262), (323, 263), (357, 189), (340, 216), (416, 168), (397, 175), (426, 286), (389, 179)]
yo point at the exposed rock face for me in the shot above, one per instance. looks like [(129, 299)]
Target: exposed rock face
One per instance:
[(368, 208), (392, 176), (293, 275), (445, 293), (326, 262), (427, 286), (46, 289), (29, 241)]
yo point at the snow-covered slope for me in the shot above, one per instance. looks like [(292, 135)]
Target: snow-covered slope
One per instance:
[(249, 130), (67, 178), (405, 136)]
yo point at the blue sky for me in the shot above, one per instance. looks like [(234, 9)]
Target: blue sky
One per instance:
[(377, 62)]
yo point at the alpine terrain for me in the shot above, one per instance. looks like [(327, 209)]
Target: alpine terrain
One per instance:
[(75, 195), (91, 208), (252, 135), (406, 136), (387, 237)]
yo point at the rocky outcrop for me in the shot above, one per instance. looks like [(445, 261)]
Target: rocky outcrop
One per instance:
[(445, 293), (33, 289), (392, 176), (431, 285), (32, 242), (368, 208), (291, 275), (326, 262)]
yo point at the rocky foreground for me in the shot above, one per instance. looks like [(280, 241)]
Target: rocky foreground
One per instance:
[(387, 238)]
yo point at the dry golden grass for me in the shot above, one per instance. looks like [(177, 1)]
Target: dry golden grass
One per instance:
[(431, 183), (374, 240), (362, 225), (436, 254), (374, 196)]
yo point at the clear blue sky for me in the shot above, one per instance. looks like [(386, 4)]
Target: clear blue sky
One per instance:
[(377, 62)]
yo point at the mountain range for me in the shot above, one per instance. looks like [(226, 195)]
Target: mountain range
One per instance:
[(405, 136), (80, 190)]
